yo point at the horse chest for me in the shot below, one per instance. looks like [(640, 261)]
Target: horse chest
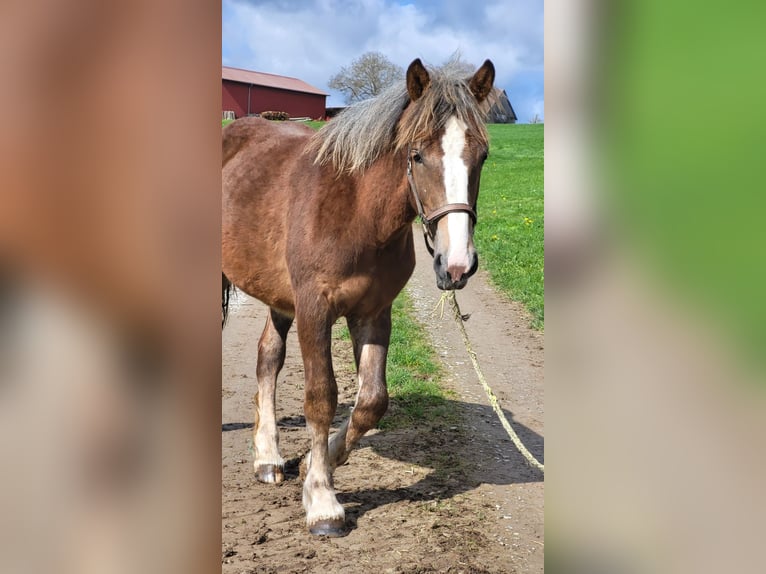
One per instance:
[(374, 286)]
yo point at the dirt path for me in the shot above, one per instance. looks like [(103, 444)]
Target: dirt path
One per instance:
[(428, 499)]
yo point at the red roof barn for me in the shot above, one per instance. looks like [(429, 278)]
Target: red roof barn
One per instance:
[(246, 93)]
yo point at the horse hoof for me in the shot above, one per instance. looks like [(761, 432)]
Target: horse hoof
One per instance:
[(333, 528), (269, 473)]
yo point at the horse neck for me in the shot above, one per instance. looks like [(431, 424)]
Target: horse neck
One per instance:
[(384, 197)]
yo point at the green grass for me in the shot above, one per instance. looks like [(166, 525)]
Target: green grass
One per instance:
[(315, 124), (413, 371), (509, 235)]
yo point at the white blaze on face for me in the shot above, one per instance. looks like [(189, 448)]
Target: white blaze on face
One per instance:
[(456, 186)]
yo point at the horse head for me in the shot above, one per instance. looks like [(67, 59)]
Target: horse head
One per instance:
[(446, 153)]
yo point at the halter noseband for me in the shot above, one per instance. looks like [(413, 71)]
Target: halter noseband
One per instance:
[(430, 220)]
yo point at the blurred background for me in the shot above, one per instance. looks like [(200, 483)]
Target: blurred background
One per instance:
[(109, 262), (109, 273), (655, 266)]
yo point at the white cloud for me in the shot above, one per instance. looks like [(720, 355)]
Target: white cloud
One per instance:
[(312, 39)]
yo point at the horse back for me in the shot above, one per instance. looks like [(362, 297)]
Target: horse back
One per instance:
[(259, 157), (251, 131)]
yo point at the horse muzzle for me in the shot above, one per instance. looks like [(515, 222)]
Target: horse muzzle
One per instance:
[(454, 275)]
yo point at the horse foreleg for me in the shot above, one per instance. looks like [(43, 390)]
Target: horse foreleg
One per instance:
[(324, 515), (268, 464), (370, 338)]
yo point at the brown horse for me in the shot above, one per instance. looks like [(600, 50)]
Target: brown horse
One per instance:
[(318, 226)]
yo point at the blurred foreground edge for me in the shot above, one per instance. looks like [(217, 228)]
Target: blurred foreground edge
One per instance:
[(655, 424), (109, 263)]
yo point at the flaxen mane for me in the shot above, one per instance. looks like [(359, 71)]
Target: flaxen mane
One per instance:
[(365, 131)]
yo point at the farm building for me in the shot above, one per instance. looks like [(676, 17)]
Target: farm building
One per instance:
[(500, 109), (246, 93)]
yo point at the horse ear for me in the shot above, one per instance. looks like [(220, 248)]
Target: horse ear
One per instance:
[(417, 79), (481, 82)]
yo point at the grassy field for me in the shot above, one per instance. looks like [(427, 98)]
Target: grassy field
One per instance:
[(510, 232)]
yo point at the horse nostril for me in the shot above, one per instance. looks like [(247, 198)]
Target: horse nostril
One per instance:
[(456, 272), (474, 265)]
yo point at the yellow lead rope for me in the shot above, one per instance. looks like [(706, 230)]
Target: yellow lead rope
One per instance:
[(460, 319)]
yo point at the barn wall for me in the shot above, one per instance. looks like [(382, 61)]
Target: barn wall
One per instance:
[(296, 104), (234, 97)]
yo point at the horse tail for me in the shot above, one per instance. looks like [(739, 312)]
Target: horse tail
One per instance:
[(226, 291)]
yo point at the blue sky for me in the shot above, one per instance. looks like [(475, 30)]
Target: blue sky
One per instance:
[(312, 39)]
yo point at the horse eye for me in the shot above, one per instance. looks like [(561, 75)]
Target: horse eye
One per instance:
[(417, 158), (485, 156)]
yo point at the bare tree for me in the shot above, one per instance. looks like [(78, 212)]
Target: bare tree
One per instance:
[(367, 76), (535, 120), (455, 63)]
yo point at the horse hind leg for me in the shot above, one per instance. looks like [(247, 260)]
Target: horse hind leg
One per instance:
[(370, 338), (268, 464)]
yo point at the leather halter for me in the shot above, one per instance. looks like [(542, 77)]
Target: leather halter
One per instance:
[(430, 220)]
